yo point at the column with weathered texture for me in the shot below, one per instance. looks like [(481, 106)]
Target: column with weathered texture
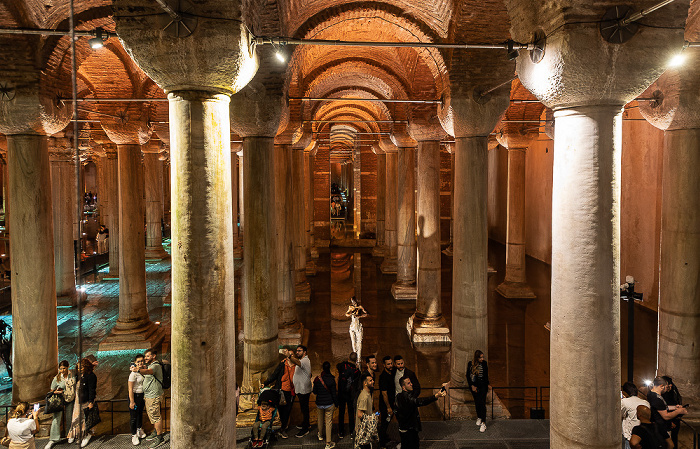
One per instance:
[(153, 182), (379, 248), (299, 221), (427, 325), (235, 148), (241, 203), (199, 73), (134, 328), (677, 112), (389, 264), (313, 251), (26, 120), (111, 206), (587, 80), (405, 286), (515, 283), (255, 116), (64, 213), (450, 149)]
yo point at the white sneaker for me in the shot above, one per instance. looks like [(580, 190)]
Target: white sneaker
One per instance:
[(86, 440), (49, 445), (478, 421), (135, 439), (141, 433), (320, 438), (483, 427), (70, 440)]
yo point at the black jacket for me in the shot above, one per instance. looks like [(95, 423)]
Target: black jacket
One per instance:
[(88, 388), (414, 380), (407, 404), (325, 395), (275, 379), (481, 381), (348, 375)]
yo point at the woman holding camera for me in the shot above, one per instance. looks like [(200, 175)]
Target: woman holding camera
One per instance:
[(137, 403), (63, 383), (21, 428)]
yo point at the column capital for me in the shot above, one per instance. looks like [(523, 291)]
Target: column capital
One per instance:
[(312, 148), (213, 53), (237, 148), (258, 112), (61, 149), (130, 126), (376, 149), (422, 127), (579, 66), (514, 138), (471, 115), (387, 146), (152, 147)]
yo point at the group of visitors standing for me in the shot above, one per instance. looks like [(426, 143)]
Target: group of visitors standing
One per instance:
[(654, 421)]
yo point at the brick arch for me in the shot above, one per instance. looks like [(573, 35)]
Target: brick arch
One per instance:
[(364, 72), (377, 109)]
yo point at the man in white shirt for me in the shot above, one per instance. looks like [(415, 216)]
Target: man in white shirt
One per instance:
[(629, 404), (302, 386)]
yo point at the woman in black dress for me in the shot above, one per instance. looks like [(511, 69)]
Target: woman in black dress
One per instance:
[(478, 379)]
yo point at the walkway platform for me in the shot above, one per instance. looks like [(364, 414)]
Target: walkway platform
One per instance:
[(502, 434)]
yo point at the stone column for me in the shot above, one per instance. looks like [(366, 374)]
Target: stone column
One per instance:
[(313, 251), (32, 261), (389, 264), (357, 191), (428, 325), (255, 116), (241, 202), (677, 112), (199, 73), (290, 330), (300, 224), (379, 248), (111, 205), (134, 329), (234, 198), (406, 270), (450, 149), (515, 283), (64, 213), (153, 182), (585, 290)]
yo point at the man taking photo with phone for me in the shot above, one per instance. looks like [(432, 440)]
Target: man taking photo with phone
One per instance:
[(407, 403)]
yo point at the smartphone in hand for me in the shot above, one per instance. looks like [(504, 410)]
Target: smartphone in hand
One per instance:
[(36, 407)]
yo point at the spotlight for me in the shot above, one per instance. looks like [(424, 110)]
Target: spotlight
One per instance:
[(98, 41), (677, 60), (648, 383)]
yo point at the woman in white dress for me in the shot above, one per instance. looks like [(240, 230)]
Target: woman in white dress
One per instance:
[(355, 312)]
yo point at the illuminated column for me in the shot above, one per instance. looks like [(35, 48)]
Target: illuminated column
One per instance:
[(241, 203), (450, 149), (389, 264), (587, 95), (406, 267), (235, 148), (299, 223), (380, 247), (153, 181), (313, 251), (515, 283), (676, 112)]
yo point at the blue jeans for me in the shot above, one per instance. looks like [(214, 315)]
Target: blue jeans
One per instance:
[(55, 434)]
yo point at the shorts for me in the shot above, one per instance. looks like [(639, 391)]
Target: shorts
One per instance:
[(153, 409)]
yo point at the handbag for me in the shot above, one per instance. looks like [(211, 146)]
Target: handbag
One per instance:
[(283, 399), (69, 392), (92, 417), (54, 402), (5, 441)]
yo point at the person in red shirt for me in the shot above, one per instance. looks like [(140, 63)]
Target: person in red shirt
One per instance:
[(263, 421), (281, 379)]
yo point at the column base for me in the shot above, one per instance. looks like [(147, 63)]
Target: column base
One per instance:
[(513, 290), (314, 252), (379, 251), (432, 332), (292, 335), (310, 267), (109, 277), (141, 338), (491, 270), (448, 251), (156, 253), (404, 291), (302, 292), (389, 266), (72, 299)]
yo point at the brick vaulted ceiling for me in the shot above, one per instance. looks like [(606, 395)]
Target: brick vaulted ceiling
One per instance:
[(311, 71)]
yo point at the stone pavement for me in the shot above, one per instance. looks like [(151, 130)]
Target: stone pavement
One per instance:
[(501, 434)]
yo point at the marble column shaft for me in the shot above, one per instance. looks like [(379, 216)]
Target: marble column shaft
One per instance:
[(260, 315), (428, 302), (64, 210), (241, 199), (679, 304), (389, 265), (299, 225), (35, 333), (133, 308), (234, 203), (203, 313), (153, 177), (406, 264), (311, 202), (381, 200), (585, 275), (111, 197), (470, 250)]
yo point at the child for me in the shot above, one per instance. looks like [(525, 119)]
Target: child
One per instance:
[(262, 422)]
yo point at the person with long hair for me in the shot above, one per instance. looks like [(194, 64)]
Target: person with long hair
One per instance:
[(21, 429), (63, 383), (478, 380), (326, 402), (87, 393), (137, 403), (355, 312)]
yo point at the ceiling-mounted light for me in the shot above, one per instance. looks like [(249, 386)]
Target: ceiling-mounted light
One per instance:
[(98, 41), (677, 60)]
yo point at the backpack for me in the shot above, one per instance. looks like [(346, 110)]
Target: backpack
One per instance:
[(350, 376), (167, 376)]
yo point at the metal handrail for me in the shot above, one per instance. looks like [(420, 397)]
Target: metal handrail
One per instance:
[(696, 433), (493, 389)]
